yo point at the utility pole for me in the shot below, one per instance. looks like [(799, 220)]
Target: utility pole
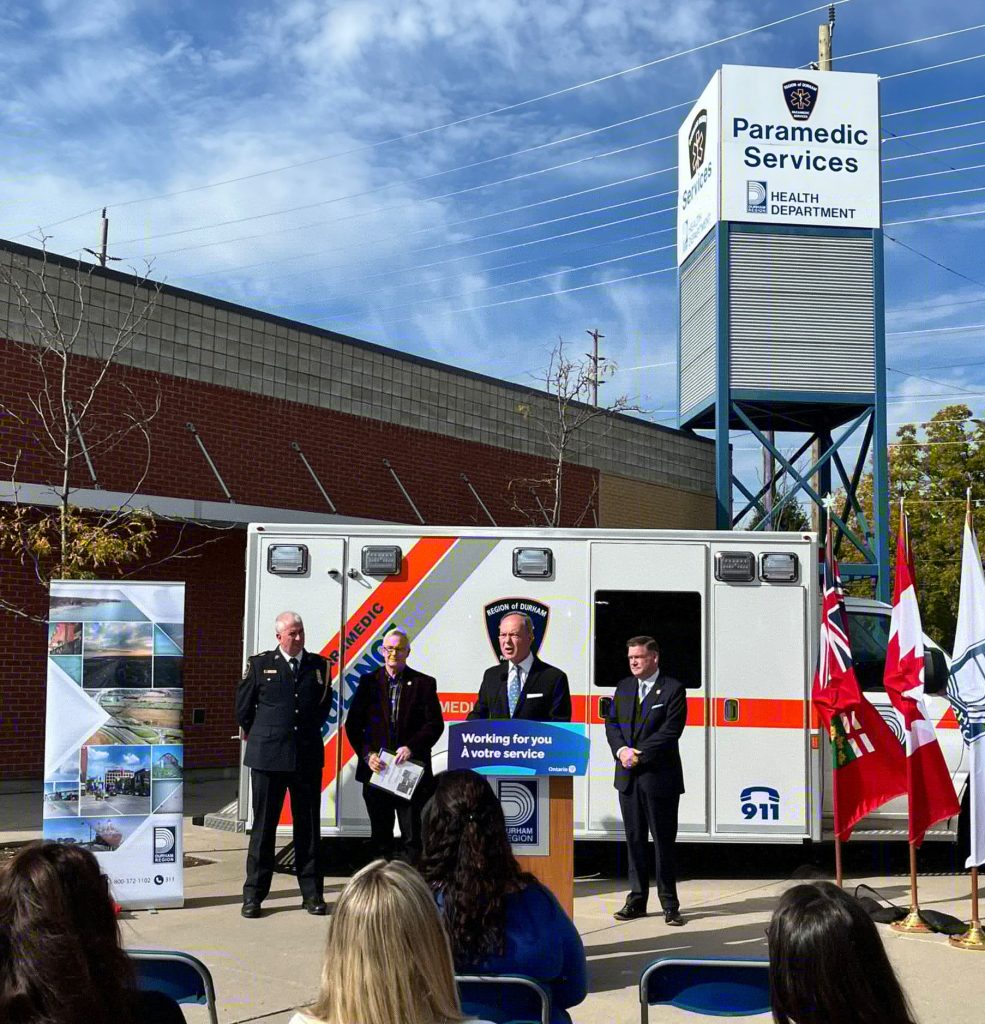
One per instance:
[(594, 356), (101, 254), (825, 54)]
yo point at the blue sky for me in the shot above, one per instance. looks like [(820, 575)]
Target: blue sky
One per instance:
[(114, 103)]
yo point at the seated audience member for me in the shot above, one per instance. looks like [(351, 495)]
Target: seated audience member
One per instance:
[(387, 960), (828, 964), (61, 961), (500, 920)]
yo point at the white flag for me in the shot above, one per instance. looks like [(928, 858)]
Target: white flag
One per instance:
[(966, 687)]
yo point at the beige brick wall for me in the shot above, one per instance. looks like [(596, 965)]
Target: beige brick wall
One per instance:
[(628, 503)]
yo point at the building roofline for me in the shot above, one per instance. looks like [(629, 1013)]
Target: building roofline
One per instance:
[(31, 252)]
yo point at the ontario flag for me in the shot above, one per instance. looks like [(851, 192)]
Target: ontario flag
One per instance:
[(868, 766), (929, 785)]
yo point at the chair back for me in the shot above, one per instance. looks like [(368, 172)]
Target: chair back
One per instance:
[(181, 976), (504, 998), (715, 986)]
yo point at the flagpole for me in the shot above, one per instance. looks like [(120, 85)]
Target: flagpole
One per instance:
[(913, 923), (829, 557), (973, 938)]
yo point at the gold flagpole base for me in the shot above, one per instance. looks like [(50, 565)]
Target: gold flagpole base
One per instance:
[(912, 924), (973, 938)]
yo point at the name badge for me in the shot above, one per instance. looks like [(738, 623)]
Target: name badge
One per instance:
[(270, 671), (531, 695)]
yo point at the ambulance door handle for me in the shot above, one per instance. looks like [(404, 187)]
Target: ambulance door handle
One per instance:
[(730, 710), (335, 574)]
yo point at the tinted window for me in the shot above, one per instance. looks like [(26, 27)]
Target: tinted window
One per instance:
[(869, 635), (672, 618)]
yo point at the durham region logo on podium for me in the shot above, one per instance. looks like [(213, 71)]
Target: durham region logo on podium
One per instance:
[(518, 798)]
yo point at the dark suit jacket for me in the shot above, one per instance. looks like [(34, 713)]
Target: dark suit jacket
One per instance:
[(544, 698), (653, 730), (419, 719), (283, 719)]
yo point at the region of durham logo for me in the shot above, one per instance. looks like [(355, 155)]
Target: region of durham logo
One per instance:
[(165, 841), (756, 192), (801, 99)]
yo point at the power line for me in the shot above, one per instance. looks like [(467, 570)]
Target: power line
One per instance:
[(930, 380), (494, 287), (931, 67), (427, 199), (930, 259), (464, 120), (935, 106), (942, 216), (934, 174), (934, 131), (542, 295), (932, 152), (933, 195), (417, 231), (908, 42), (936, 330)]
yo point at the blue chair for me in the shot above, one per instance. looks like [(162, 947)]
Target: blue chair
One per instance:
[(181, 976), (504, 998), (715, 987)]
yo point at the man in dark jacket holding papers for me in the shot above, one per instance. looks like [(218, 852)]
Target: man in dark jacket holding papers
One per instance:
[(394, 709)]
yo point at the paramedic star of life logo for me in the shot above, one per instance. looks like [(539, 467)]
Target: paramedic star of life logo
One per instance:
[(697, 141), (538, 612), (801, 98)]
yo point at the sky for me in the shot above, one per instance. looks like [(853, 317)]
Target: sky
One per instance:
[(470, 180)]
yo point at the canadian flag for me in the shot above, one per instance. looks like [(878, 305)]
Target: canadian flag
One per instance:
[(931, 792)]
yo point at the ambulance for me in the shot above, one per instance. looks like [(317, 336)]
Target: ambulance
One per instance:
[(736, 615)]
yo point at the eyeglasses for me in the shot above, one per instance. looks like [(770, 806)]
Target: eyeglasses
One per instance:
[(394, 650)]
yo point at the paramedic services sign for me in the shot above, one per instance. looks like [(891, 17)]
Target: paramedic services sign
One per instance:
[(796, 147), (699, 172)]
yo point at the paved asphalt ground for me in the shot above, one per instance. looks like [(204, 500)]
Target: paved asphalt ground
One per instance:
[(265, 968)]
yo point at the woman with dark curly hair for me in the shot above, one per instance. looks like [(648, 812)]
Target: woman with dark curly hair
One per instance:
[(828, 964), (61, 961), (499, 919)]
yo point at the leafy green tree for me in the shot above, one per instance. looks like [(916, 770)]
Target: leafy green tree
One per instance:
[(933, 474)]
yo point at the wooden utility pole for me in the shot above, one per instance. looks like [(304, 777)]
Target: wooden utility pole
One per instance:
[(594, 356)]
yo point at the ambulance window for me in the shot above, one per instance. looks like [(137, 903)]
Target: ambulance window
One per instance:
[(869, 635), (672, 618)]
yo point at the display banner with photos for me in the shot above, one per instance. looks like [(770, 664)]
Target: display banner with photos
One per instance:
[(114, 755)]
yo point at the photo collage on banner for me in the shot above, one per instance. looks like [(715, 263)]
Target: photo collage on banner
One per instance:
[(113, 734)]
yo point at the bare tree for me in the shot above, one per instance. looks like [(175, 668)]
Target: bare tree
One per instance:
[(81, 406), (570, 384)]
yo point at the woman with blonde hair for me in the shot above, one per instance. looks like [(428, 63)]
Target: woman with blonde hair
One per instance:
[(387, 960)]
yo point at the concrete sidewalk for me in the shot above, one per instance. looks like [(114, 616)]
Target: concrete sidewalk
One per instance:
[(266, 968)]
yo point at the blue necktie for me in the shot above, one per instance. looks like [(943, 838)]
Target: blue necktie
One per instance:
[(513, 690)]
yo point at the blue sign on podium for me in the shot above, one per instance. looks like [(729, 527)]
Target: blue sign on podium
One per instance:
[(518, 747)]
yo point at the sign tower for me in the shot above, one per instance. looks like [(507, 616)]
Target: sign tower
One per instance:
[(780, 276)]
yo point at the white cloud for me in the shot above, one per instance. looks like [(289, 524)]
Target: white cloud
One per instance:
[(95, 754)]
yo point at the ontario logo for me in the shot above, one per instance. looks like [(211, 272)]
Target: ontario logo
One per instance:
[(697, 141), (801, 98), (537, 611), (165, 844), (756, 193), (518, 798)]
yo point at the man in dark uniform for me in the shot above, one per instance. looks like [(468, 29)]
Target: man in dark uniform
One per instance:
[(522, 686), (645, 722), (394, 708), (281, 704)]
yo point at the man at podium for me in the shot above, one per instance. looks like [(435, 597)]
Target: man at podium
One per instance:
[(522, 686)]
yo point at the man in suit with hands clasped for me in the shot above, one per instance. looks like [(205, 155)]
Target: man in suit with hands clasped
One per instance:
[(643, 726), (522, 686)]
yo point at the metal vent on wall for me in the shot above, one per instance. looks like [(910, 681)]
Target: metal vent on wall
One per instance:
[(801, 312), (699, 325)]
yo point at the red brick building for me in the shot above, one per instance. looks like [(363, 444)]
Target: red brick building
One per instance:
[(265, 419)]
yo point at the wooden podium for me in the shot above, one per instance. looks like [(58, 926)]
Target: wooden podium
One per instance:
[(518, 750), (557, 869)]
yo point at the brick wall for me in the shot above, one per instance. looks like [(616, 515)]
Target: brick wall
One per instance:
[(249, 437)]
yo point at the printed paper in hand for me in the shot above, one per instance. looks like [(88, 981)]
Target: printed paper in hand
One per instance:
[(399, 779)]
